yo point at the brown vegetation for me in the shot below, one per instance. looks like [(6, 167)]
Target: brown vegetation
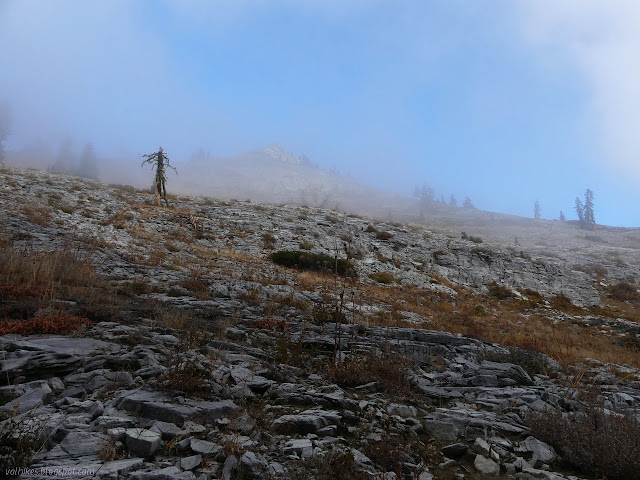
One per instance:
[(509, 321), (54, 324), (586, 439), (388, 370)]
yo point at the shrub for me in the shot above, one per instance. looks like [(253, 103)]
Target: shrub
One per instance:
[(268, 241), (471, 238), (196, 284), (184, 375), (370, 229), (306, 245), (562, 302), (532, 362), (597, 269), (313, 261), (392, 452), (54, 324), (276, 324), (584, 438), (384, 235), (499, 291), (388, 370), (327, 313), (623, 291), (333, 465), (383, 277), (20, 439)]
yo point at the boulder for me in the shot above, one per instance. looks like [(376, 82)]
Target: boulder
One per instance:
[(309, 421), (486, 466), (142, 442)]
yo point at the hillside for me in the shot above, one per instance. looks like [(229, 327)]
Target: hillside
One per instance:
[(150, 343)]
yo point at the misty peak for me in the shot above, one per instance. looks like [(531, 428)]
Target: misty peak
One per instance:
[(278, 152)]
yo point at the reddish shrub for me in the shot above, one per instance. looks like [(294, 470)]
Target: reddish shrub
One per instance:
[(55, 324)]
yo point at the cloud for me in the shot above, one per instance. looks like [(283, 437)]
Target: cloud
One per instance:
[(603, 40), (99, 70)]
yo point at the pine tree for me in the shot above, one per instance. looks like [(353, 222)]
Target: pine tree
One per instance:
[(562, 217), (159, 160), (467, 203), (452, 201), (88, 167), (589, 217), (425, 194), (65, 160), (5, 128), (580, 212), (536, 210)]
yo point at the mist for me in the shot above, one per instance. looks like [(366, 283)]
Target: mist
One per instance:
[(505, 104)]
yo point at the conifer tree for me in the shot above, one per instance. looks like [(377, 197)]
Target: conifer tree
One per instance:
[(589, 217), (425, 194), (5, 128), (452, 201), (580, 212), (159, 160), (65, 160), (536, 210), (88, 167), (562, 217), (467, 203)]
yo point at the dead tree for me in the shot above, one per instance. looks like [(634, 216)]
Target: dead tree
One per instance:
[(159, 161)]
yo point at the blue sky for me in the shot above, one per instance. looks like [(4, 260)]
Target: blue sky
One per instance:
[(504, 101)]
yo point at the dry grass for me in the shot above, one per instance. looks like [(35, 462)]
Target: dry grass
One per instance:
[(393, 451), (196, 284), (269, 323), (185, 375), (311, 280), (388, 370), (64, 281), (502, 321), (38, 214), (383, 277), (583, 438)]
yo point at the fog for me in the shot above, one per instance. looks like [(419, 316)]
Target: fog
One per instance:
[(505, 102)]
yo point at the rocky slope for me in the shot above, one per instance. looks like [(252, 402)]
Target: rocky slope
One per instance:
[(204, 359)]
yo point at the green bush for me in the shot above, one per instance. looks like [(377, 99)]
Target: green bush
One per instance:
[(316, 262)]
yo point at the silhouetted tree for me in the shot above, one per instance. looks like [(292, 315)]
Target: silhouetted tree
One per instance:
[(5, 128), (159, 160), (562, 217), (88, 167), (589, 217), (452, 201), (536, 210), (65, 160), (467, 203), (580, 212), (425, 194)]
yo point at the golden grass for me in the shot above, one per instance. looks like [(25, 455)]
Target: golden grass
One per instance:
[(63, 280), (503, 322), (38, 214), (310, 280)]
